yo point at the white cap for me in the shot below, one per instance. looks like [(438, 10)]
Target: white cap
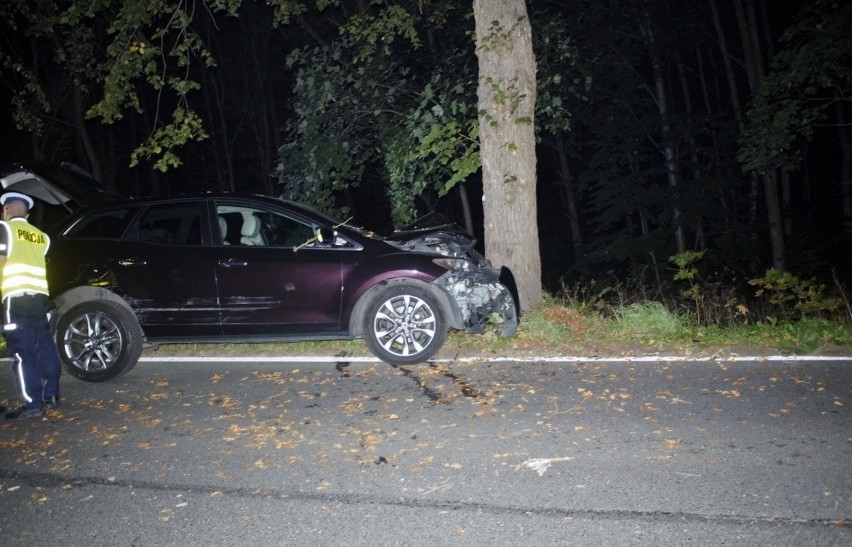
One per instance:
[(15, 196)]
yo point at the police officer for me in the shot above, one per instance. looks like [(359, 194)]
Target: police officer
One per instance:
[(23, 284)]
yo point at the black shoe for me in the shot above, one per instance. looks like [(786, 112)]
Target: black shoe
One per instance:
[(2, 409), (25, 412), (51, 402)]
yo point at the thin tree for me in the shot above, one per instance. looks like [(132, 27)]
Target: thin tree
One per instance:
[(667, 146), (755, 70)]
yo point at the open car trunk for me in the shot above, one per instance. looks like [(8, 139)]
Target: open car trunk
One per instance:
[(57, 189)]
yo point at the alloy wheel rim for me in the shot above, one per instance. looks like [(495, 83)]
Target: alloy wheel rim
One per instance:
[(405, 325), (93, 342)]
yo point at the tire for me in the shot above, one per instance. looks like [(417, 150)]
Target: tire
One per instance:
[(404, 325), (99, 341)]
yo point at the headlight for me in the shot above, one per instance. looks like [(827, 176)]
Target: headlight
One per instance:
[(454, 263)]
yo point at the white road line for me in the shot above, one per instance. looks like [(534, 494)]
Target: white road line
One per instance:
[(527, 359)]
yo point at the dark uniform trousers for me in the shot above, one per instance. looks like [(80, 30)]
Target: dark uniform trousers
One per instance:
[(35, 361)]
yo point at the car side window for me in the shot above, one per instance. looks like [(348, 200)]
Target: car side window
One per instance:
[(103, 225), (285, 232), (247, 226), (171, 224)]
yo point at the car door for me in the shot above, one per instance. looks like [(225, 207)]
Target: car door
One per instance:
[(268, 284), (166, 272)]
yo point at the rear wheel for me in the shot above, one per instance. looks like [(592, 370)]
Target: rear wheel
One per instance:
[(99, 341), (404, 324)]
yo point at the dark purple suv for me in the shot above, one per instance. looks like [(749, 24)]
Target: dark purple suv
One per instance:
[(239, 268)]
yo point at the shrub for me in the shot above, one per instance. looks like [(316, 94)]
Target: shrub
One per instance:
[(789, 298)]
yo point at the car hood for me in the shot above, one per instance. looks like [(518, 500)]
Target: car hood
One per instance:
[(64, 184), (443, 238)]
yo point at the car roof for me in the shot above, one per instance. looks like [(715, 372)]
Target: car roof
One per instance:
[(247, 198)]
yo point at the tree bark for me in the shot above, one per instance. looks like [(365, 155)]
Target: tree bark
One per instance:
[(506, 100)]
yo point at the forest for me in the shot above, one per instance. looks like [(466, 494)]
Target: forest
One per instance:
[(662, 127)]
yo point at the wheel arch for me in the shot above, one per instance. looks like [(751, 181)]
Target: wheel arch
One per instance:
[(449, 310), (78, 295)]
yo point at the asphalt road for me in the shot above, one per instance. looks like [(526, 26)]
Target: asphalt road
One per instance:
[(481, 453)]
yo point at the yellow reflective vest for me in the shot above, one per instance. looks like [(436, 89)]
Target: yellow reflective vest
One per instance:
[(25, 248)]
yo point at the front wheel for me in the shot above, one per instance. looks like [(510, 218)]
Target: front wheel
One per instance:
[(99, 341), (404, 325)]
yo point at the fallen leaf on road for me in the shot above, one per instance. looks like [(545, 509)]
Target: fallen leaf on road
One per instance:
[(671, 443)]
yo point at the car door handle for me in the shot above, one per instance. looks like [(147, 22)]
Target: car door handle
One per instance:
[(133, 261), (233, 263)]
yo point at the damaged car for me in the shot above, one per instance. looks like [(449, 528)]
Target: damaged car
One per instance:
[(245, 268)]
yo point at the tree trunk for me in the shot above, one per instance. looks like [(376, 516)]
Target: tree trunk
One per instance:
[(568, 194), (697, 222), (754, 70), (220, 133), (506, 100), (776, 224), (843, 132), (465, 205), (83, 134), (729, 68), (259, 115), (735, 97), (786, 201), (218, 143), (661, 99)]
